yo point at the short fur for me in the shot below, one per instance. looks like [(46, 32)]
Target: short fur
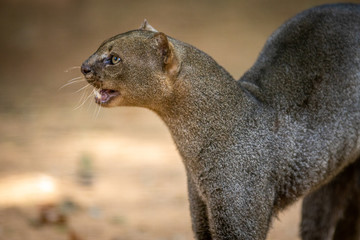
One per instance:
[(288, 128)]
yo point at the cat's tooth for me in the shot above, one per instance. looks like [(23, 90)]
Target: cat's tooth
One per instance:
[(97, 93)]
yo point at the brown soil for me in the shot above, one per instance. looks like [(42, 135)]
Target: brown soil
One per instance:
[(113, 175)]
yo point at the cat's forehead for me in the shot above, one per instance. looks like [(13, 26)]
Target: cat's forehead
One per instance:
[(125, 39)]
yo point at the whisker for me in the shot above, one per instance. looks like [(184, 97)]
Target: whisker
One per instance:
[(95, 107), (69, 83), (83, 88), (98, 111), (76, 78), (86, 99), (82, 97), (95, 110), (89, 105), (72, 68)]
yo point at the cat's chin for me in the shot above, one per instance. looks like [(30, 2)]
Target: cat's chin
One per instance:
[(106, 97)]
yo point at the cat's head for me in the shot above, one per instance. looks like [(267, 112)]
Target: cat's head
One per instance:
[(136, 68)]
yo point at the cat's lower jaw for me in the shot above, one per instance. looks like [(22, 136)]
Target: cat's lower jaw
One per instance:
[(104, 97)]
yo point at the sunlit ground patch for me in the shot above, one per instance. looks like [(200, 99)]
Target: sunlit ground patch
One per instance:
[(26, 189)]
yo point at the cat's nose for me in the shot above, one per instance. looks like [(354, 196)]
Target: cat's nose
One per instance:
[(85, 69)]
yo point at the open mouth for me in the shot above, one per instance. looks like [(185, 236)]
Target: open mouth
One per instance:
[(104, 96)]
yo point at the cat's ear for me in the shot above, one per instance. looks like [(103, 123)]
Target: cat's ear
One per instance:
[(147, 27), (167, 53)]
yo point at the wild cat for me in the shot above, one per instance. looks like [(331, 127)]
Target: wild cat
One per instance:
[(288, 128)]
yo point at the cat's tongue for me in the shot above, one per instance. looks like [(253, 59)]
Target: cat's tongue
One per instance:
[(105, 95)]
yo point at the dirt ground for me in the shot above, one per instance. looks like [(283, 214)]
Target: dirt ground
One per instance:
[(85, 173)]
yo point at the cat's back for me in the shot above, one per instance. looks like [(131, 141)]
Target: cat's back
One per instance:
[(311, 63)]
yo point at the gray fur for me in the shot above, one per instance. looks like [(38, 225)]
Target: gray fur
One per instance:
[(252, 147)]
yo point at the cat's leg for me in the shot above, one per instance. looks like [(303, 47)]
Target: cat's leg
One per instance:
[(348, 226), (199, 215), (240, 211), (332, 211)]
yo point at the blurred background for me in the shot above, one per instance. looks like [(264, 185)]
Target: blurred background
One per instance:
[(71, 171)]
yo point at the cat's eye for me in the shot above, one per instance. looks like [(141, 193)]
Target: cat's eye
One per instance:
[(115, 59)]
